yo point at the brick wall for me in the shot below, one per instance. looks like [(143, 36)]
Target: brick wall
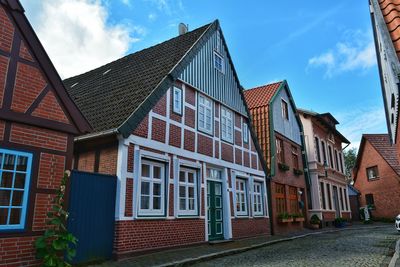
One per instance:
[(17, 251), (248, 227), (385, 189)]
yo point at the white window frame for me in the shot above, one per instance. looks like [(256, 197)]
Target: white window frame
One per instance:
[(177, 100), (245, 132), (258, 198), (241, 197), (151, 211), (205, 104), (219, 66), (24, 201), (226, 123), (186, 184), (286, 110)]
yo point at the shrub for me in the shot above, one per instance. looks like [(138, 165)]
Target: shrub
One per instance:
[(284, 215), (297, 172), (315, 219), (283, 167)]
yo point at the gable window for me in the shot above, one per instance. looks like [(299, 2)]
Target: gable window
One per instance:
[(15, 170), (280, 198), (280, 155), (226, 124), (369, 199), (317, 152), (241, 197), (177, 100), (245, 133), (205, 115), (324, 153), (341, 162), (372, 173), (218, 62), (295, 158), (285, 110), (330, 157), (152, 189), (188, 192), (322, 191), (258, 202)]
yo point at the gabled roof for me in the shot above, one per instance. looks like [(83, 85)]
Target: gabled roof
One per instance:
[(118, 95), (382, 145), (391, 14), (321, 117), (29, 36), (262, 95)]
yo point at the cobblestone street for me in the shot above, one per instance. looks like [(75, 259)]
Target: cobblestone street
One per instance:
[(369, 247)]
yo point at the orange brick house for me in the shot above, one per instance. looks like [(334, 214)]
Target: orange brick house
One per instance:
[(279, 130), (377, 175), (38, 122), (171, 123)]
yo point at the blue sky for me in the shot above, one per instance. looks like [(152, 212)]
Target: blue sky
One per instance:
[(324, 49)]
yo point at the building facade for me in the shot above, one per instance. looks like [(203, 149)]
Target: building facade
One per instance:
[(279, 129), (38, 122), (324, 143), (377, 176), (177, 136)]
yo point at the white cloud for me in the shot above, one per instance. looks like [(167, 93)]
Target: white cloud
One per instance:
[(360, 121), (152, 16), (77, 35), (126, 2), (356, 52)]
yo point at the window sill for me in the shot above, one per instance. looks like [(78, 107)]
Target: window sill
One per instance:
[(188, 217)]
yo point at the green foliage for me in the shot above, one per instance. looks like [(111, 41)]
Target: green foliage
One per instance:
[(315, 219), (339, 220), (56, 241), (296, 215), (350, 157), (297, 172), (284, 215), (283, 167)]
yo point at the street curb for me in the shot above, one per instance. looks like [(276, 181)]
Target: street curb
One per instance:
[(229, 252), (395, 255)]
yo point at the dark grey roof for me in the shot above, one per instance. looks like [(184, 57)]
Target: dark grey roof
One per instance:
[(109, 95)]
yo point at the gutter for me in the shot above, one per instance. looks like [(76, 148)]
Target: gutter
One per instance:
[(95, 135)]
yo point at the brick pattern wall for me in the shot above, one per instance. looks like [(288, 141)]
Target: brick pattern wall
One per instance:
[(24, 52), (3, 74), (129, 197), (108, 160), (49, 108), (6, 32), (43, 204), (50, 171), (243, 227), (17, 251)]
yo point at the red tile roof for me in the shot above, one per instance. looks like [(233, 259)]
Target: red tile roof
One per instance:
[(391, 13), (262, 95), (381, 142)]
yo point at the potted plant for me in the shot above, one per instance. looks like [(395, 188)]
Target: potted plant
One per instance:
[(315, 222), (283, 166), (340, 222), (285, 217), (298, 217), (297, 172)]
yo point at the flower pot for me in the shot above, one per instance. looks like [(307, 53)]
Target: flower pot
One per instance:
[(314, 226), (300, 219), (288, 220)]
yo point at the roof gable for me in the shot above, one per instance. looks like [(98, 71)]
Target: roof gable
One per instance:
[(261, 95)]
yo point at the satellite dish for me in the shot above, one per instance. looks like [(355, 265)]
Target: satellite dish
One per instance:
[(183, 28)]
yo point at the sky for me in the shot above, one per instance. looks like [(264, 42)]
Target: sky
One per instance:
[(324, 49)]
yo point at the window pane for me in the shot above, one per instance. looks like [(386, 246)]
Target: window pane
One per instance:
[(3, 216), (156, 203), (191, 203), (145, 188), (156, 189), (182, 176), (190, 177), (182, 191), (156, 172), (182, 203), (15, 216), (6, 179), (9, 162), (17, 198), (5, 197), (145, 202), (19, 180), (145, 170), (22, 163), (191, 192)]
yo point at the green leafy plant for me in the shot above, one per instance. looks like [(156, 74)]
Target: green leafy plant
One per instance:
[(298, 172), (284, 216), (283, 166), (297, 215), (315, 219), (56, 241)]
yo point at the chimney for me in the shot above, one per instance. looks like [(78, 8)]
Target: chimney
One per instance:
[(183, 28)]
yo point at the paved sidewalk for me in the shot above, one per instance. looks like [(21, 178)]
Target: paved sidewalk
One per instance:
[(195, 254)]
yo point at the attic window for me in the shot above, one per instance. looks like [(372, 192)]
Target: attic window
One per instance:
[(218, 62), (107, 71), (372, 173), (75, 84)]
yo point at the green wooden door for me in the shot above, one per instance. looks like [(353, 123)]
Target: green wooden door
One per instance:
[(214, 211)]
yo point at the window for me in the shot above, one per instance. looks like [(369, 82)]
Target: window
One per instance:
[(218, 62), (336, 160), (280, 198), (177, 100), (219, 42), (341, 198), (341, 162), (241, 197), (245, 133), (279, 151), (322, 190), (213, 174), (205, 115), (328, 190), (226, 124), (293, 202), (369, 198), (152, 189), (392, 101), (15, 168), (295, 158), (324, 153), (330, 157), (258, 202), (345, 199), (188, 192), (317, 152), (285, 111), (372, 173)]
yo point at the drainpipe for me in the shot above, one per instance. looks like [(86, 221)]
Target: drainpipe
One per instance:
[(271, 225)]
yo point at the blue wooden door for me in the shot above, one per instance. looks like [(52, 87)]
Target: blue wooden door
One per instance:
[(92, 213)]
